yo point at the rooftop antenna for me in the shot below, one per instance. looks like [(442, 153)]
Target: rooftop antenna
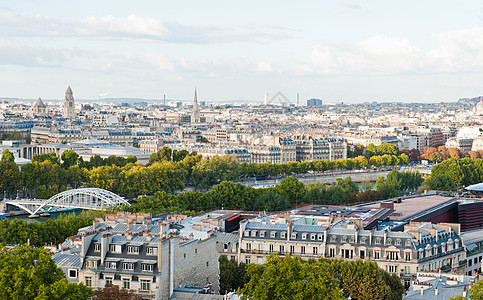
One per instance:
[(297, 99), (164, 98)]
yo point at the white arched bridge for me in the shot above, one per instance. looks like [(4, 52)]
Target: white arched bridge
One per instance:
[(85, 198)]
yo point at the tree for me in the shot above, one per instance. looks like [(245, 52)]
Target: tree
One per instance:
[(292, 189), (476, 292), (113, 292), (30, 273), (270, 201), (10, 176), (69, 158), (439, 182), (232, 274), (51, 157), (289, 278)]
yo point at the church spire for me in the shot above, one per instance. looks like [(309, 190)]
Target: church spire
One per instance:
[(195, 114)]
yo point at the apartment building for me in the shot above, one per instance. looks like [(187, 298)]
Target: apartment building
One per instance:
[(148, 257), (420, 247)]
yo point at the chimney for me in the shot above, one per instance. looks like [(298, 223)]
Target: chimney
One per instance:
[(436, 291)]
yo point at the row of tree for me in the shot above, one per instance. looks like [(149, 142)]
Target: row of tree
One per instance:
[(396, 183), (290, 277), (230, 195), (167, 171), (52, 231)]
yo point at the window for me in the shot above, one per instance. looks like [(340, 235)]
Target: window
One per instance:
[(292, 249), (344, 239), (377, 254), (92, 264), (72, 273), (196, 251), (363, 240), (304, 236), (145, 285), (398, 242), (207, 264), (247, 232), (314, 250), (249, 246), (147, 267), (270, 247), (247, 260), (184, 256), (362, 254), (331, 252), (126, 283), (108, 280), (293, 236), (282, 248), (312, 237), (392, 269), (262, 233), (254, 233), (88, 281), (407, 256), (273, 234), (97, 247), (111, 265), (388, 241), (407, 270), (115, 248), (320, 237), (333, 238), (378, 241), (132, 250), (152, 251), (283, 235), (128, 266)]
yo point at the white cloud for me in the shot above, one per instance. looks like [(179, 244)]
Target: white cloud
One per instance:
[(133, 27), (264, 67), (455, 51), (159, 60)]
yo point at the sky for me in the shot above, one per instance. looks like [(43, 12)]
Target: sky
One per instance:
[(350, 51)]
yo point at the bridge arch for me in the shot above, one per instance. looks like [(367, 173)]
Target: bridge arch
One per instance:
[(83, 198)]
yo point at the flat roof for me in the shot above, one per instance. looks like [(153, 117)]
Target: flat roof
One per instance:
[(411, 206)]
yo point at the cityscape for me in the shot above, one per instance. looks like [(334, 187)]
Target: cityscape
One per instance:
[(149, 154)]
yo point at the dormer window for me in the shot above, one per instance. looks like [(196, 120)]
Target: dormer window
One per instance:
[(312, 237), (97, 247), (152, 251), (254, 233), (388, 241), (293, 236), (128, 266), (132, 249), (111, 265), (378, 241), (273, 234), (304, 236), (283, 235), (92, 264), (147, 267), (262, 233), (398, 242), (247, 232)]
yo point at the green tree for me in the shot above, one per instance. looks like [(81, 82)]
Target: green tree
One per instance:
[(289, 278), (51, 157), (292, 189), (476, 292), (270, 201), (69, 158), (232, 274), (439, 182), (10, 176), (30, 273)]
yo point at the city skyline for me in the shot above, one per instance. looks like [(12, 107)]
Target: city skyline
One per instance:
[(333, 50)]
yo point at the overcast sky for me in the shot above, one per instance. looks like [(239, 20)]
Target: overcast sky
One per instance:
[(351, 51)]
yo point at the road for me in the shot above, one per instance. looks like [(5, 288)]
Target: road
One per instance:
[(326, 177)]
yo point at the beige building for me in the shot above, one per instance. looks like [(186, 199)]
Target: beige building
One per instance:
[(420, 247)]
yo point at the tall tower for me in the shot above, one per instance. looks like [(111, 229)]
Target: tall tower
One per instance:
[(69, 109), (195, 114), (267, 99)]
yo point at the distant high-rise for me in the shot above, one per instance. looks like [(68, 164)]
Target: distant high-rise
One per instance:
[(314, 103), (69, 109), (195, 114), (267, 99)]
